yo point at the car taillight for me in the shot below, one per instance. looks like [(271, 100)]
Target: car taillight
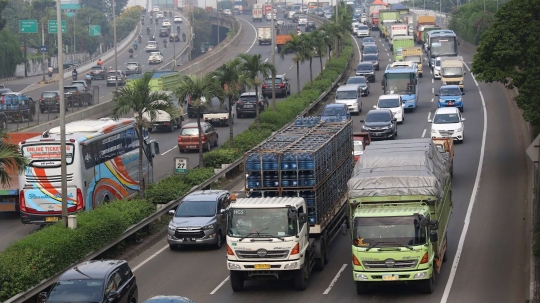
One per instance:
[(238, 102), (264, 86), (282, 85), (203, 137), (3, 99), (179, 139), (22, 202), (40, 99)]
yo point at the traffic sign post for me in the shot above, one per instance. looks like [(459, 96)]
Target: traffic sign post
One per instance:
[(43, 49), (53, 27), (95, 30), (28, 26), (180, 165)]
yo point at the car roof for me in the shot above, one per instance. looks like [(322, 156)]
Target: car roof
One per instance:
[(450, 86), (50, 91), (347, 87), (206, 194), (277, 76), (390, 96), (447, 110), (355, 77), (247, 94), (194, 124), (365, 63), (95, 269), (335, 105), (379, 111), (133, 63)]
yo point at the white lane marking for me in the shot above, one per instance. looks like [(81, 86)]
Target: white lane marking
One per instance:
[(169, 150), (432, 80), (432, 90), (385, 50), (432, 99), (150, 258), (254, 40), (431, 72), (428, 115), (291, 66), (389, 59), (461, 243), (424, 133), (220, 284), (335, 279), (266, 60)]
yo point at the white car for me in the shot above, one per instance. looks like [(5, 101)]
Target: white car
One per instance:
[(280, 22), (159, 15), (302, 20), (155, 58), (156, 9), (177, 19), (227, 11), (269, 16), (448, 122), (354, 27), (166, 23), (437, 68), (151, 46), (393, 103)]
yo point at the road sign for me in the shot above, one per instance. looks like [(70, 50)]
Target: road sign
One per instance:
[(532, 151), (28, 26), (53, 27), (95, 30), (43, 49), (180, 165)]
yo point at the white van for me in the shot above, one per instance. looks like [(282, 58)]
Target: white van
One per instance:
[(350, 94)]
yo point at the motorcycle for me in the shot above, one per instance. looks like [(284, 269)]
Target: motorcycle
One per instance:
[(135, 46), (184, 37), (140, 39), (130, 55), (74, 77), (142, 22), (89, 81), (165, 43), (148, 31), (50, 74), (170, 14)]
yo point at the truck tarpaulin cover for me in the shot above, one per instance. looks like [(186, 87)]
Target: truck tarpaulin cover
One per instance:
[(411, 168), (379, 2)]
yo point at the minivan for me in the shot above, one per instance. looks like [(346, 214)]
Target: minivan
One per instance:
[(350, 95)]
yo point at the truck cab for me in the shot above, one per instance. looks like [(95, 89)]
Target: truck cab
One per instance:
[(452, 72), (402, 81)]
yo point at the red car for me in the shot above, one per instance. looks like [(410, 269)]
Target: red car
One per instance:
[(189, 137)]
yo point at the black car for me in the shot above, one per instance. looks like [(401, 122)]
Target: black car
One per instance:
[(97, 281), (164, 32), (49, 102), (370, 49), (373, 58), (380, 124), (310, 26), (246, 104), (362, 81), (97, 72), (75, 95), (367, 70), (283, 87)]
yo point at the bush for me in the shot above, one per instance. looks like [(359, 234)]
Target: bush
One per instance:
[(47, 252), (220, 156), (176, 186)]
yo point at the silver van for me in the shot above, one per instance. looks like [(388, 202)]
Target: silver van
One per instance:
[(350, 94)]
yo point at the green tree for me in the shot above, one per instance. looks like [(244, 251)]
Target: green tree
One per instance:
[(469, 21), (229, 77), (10, 53), (105, 6), (138, 98), (200, 91), (296, 45), (319, 45), (509, 53), (3, 4), (308, 53), (85, 17), (202, 28), (327, 31), (253, 66), (11, 160)]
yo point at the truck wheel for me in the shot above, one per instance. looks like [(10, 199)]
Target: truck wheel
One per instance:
[(361, 288), (171, 127), (237, 280), (320, 262), (301, 277), (426, 286)]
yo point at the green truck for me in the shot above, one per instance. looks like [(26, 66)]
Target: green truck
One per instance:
[(425, 34), (399, 43), (387, 16), (400, 205), (164, 80)]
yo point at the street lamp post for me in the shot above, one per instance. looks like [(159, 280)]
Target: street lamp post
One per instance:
[(44, 66), (273, 58), (115, 46)]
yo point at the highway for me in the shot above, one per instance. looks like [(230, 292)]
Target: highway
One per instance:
[(488, 260)]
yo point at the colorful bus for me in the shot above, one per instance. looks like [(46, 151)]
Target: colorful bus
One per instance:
[(102, 159)]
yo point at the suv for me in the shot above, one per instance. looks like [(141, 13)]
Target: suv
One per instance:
[(133, 68), (367, 70), (49, 102), (380, 124), (97, 72), (201, 218), (111, 78), (310, 26), (246, 104), (81, 84), (189, 137), (283, 87), (95, 281), (164, 32), (74, 94)]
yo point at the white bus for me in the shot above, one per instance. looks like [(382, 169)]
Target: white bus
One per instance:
[(102, 165)]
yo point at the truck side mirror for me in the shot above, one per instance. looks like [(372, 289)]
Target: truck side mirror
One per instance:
[(302, 218), (434, 224), (433, 236)]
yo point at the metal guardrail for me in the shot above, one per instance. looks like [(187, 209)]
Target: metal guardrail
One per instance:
[(22, 297)]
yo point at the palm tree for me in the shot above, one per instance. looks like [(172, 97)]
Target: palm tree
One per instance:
[(296, 45), (138, 98), (11, 160), (229, 77), (200, 90), (327, 31), (319, 45), (308, 54), (253, 66)]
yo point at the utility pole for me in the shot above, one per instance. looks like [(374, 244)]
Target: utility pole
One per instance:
[(115, 48), (44, 66), (63, 168), (273, 58), (74, 48)]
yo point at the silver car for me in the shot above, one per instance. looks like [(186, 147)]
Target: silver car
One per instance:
[(111, 78), (200, 219)]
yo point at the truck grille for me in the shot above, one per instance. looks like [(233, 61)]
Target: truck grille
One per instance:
[(260, 254), (390, 264), (183, 232), (452, 82)]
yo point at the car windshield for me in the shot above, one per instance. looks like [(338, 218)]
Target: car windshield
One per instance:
[(70, 89), (364, 67), (450, 91), (357, 80), (190, 131), (370, 58), (151, 43), (196, 209), (363, 28), (345, 94), (86, 290), (261, 222), (269, 81), (78, 84), (248, 98), (49, 95), (132, 65), (378, 117), (334, 111), (365, 40), (370, 49), (388, 103), (388, 231), (445, 118)]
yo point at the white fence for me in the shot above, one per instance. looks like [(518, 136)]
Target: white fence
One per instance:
[(35, 68)]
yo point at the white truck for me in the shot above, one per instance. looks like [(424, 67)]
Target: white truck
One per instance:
[(452, 72), (397, 30), (163, 120), (288, 235), (265, 35), (257, 12), (217, 114)]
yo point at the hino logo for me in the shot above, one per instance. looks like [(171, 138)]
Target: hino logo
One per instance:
[(390, 262), (261, 253)]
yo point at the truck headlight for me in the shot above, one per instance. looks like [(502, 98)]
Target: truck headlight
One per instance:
[(420, 275), (461, 82), (360, 277), (233, 266), (207, 227), (291, 265)]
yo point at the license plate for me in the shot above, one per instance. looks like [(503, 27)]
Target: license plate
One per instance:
[(262, 266), (215, 120), (390, 277), (248, 106), (51, 219), (450, 103), (7, 207), (191, 146)]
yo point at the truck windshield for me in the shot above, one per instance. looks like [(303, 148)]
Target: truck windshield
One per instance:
[(446, 46), (452, 72), (400, 230), (274, 221), (398, 84)]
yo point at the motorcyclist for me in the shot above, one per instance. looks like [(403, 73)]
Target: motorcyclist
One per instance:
[(110, 68), (135, 44), (165, 42), (140, 38), (156, 20), (130, 52), (178, 28), (74, 74), (148, 30), (99, 62), (50, 70), (184, 37), (88, 79)]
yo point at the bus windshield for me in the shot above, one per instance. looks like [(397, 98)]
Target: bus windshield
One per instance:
[(446, 46), (399, 84), (48, 154)]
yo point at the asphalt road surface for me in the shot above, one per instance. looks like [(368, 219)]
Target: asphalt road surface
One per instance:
[(488, 258)]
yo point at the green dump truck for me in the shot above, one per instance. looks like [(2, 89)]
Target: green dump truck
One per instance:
[(400, 205), (387, 16), (399, 43), (164, 80)]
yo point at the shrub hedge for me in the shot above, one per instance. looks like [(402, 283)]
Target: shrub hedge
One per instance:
[(47, 252), (175, 186)]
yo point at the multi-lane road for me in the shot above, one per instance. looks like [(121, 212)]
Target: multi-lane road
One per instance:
[(488, 259)]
